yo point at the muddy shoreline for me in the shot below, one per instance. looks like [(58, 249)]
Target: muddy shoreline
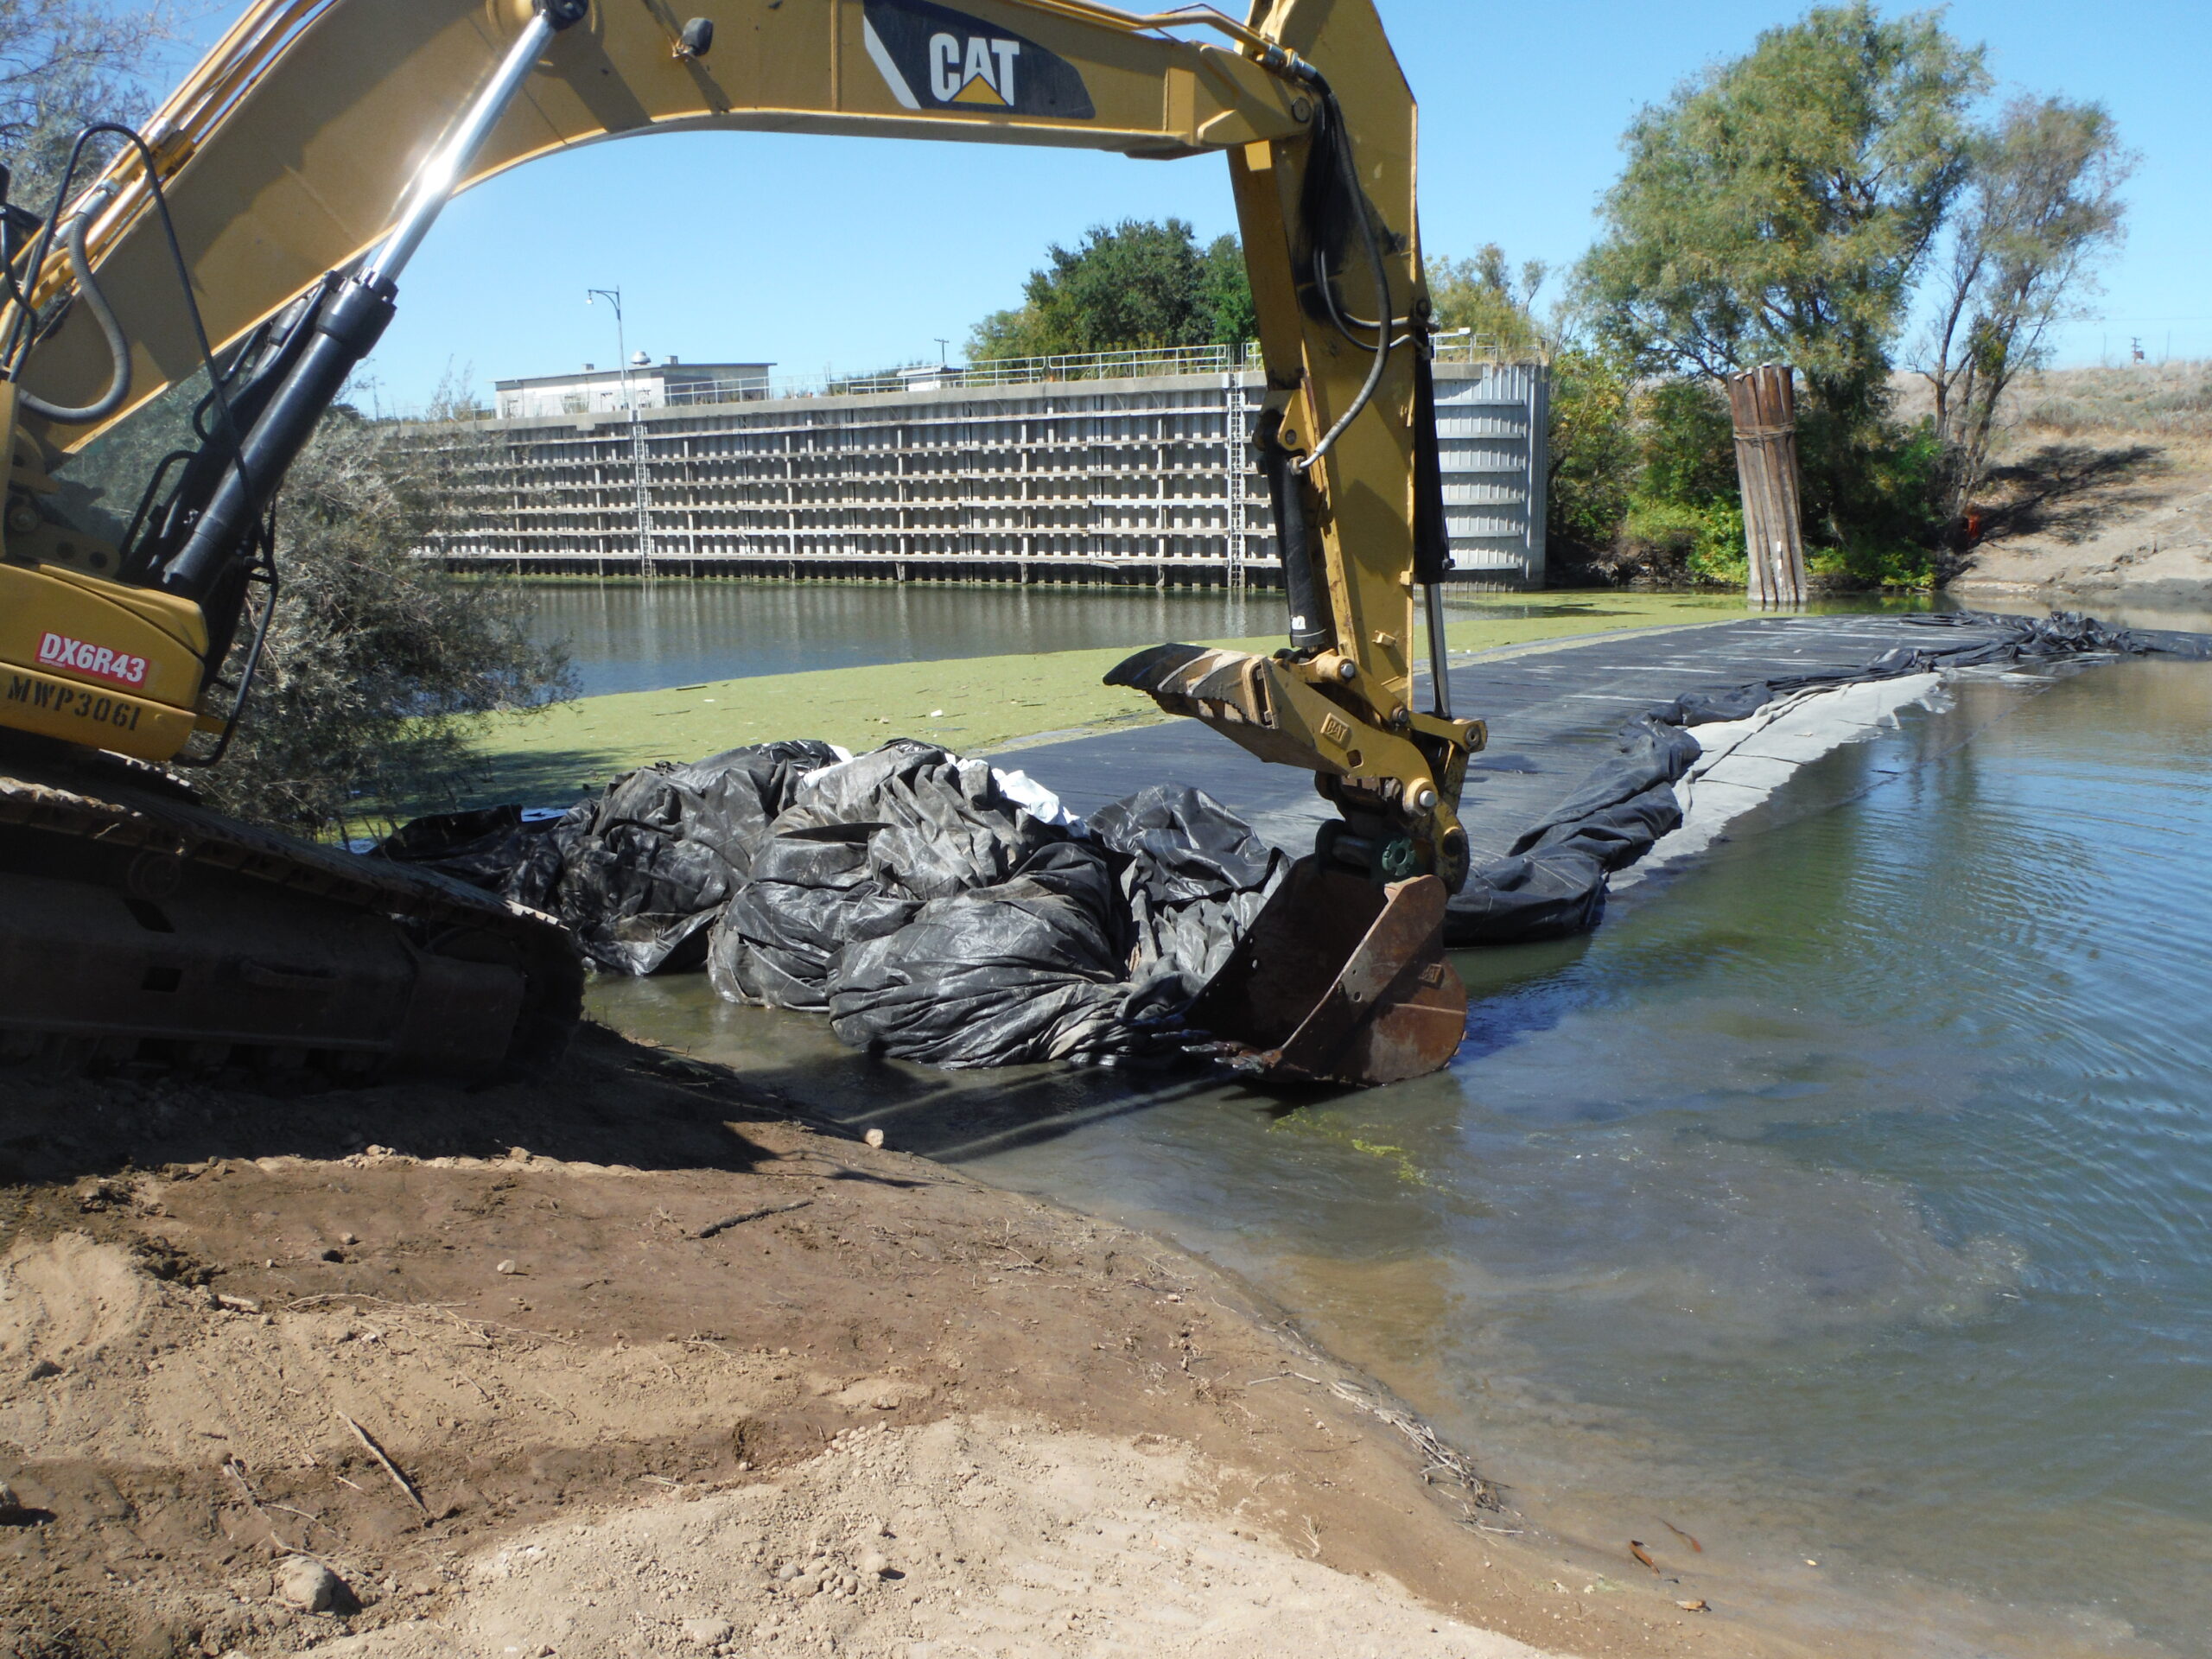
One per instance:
[(644, 1310)]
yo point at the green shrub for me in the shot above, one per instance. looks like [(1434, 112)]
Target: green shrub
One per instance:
[(1593, 453), (1677, 542), (1689, 445)]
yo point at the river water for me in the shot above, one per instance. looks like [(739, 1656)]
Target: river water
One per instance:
[(630, 636), (1844, 1200), (635, 637)]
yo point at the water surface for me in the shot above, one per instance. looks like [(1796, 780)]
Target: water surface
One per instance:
[(640, 637), (1844, 1199), (634, 636)]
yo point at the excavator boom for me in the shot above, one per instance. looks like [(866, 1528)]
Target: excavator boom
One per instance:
[(257, 229)]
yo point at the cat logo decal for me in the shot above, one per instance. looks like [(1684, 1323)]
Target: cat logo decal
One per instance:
[(933, 58)]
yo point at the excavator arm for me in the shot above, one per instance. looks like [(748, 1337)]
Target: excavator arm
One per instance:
[(255, 231)]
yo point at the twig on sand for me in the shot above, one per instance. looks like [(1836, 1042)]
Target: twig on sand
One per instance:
[(232, 1468), (728, 1222), (1441, 1457), (390, 1467)]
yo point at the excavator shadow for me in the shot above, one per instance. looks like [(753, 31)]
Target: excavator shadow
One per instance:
[(956, 1116), (610, 1101)]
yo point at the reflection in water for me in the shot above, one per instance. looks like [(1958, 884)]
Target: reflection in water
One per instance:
[(1843, 1198), (629, 636), (635, 637)]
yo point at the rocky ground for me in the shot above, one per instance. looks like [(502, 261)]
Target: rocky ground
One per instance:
[(639, 1361)]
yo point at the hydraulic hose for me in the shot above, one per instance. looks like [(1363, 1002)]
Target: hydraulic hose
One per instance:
[(1341, 145), (81, 267)]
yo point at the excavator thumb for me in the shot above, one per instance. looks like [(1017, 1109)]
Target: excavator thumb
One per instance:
[(1340, 980)]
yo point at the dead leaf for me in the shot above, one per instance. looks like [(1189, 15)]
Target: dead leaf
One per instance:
[(1635, 1549), (1684, 1536), (1697, 1606)]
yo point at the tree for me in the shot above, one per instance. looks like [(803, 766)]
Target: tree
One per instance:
[(1591, 453), (1138, 285), (1483, 295), (65, 64), (2042, 205), (1781, 207), (378, 664)]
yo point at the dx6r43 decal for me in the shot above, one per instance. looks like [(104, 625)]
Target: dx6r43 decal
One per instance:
[(934, 58), (60, 651)]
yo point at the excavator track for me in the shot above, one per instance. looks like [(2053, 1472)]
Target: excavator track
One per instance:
[(138, 927)]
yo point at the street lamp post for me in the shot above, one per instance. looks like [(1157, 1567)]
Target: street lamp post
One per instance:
[(637, 480), (613, 297)]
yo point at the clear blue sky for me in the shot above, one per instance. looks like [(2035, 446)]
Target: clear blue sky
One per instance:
[(862, 253)]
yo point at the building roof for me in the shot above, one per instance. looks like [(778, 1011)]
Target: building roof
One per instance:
[(671, 370)]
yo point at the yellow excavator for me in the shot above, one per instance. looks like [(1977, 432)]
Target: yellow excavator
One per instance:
[(247, 243)]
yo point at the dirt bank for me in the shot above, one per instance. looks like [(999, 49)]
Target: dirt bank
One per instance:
[(633, 1362), (2125, 522), (2102, 492)]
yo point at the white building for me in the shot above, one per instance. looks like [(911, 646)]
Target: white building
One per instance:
[(646, 384)]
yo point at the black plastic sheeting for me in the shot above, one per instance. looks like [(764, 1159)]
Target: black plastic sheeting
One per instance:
[(931, 915), (1551, 882), (902, 893)]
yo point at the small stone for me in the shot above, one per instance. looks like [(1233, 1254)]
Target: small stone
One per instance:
[(874, 1137), (504, 1266), (44, 1368), (308, 1585), (875, 1564), (349, 1238), (9, 1504), (786, 1573), (707, 1632)]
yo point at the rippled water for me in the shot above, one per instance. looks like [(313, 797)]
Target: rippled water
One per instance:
[(1846, 1199)]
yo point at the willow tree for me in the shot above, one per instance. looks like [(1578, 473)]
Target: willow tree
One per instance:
[(1487, 297), (65, 64), (1781, 208), (2042, 206)]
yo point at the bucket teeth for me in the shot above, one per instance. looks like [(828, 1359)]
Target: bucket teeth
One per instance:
[(1227, 687)]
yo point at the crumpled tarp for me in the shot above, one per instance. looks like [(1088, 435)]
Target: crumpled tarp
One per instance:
[(938, 910), (1553, 881), (934, 908)]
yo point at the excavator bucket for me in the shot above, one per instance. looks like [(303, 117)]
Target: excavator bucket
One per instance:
[(1341, 981)]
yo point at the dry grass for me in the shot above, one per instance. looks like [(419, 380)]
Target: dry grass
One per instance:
[(2171, 400)]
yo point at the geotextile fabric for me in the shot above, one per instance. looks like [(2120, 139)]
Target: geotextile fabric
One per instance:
[(1551, 882)]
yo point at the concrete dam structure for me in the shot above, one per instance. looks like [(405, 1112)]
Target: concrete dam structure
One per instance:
[(1130, 469)]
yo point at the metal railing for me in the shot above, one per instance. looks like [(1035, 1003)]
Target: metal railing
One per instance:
[(1030, 370)]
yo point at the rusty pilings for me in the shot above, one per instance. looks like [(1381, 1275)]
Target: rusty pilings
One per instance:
[(1763, 403)]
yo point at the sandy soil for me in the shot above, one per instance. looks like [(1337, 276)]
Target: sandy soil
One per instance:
[(634, 1362)]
